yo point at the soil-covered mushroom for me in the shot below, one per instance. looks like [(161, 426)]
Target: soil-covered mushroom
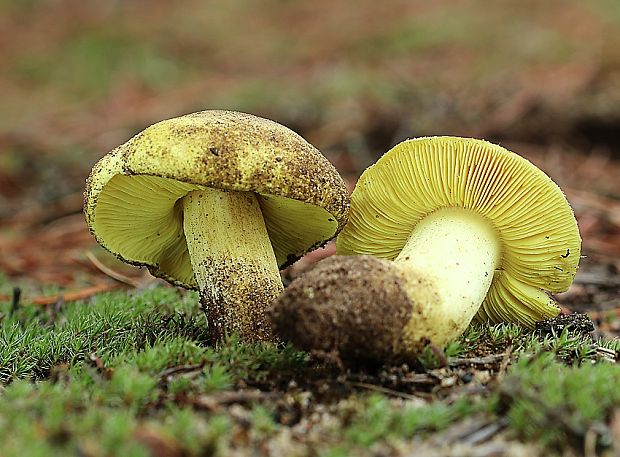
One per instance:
[(217, 201), (357, 306), (484, 229)]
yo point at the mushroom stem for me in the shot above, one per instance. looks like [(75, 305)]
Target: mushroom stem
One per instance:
[(449, 259), (233, 261)]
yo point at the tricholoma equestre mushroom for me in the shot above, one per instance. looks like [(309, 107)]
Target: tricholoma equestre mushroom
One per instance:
[(217, 201), (472, 230)]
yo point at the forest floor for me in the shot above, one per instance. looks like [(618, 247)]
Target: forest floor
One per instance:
[(121, 360)]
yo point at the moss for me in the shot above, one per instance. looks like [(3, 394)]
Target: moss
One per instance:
[(134, 373)]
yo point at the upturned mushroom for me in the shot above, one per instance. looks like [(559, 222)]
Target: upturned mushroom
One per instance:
[(213, 201), (474, 231)]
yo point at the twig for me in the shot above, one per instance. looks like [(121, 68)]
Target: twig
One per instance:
[(471, 430), (486, 432), (111, 273), (68, 296), (608, 354), (385, 390), (489, 359), (420, 378), (169, 372)]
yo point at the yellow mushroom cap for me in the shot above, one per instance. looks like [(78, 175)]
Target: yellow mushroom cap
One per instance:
[(132, 193), (540, 242)]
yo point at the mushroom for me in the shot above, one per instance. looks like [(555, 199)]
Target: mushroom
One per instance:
[(217, 201), (461, 229), (480, 227)]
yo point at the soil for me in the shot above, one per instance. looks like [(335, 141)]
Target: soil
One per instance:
[(576, 323)]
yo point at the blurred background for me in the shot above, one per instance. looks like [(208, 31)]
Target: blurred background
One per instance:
[(79, 77)]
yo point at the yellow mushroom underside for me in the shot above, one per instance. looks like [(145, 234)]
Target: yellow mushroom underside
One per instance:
[(540, 244), (139, 218)]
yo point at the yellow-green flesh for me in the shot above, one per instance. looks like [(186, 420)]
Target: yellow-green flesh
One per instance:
[(139, 219)]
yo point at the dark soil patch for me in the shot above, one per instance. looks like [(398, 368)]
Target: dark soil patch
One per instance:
[(576, 323)]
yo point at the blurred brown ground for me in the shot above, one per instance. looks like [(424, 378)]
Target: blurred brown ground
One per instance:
[(78, 78)]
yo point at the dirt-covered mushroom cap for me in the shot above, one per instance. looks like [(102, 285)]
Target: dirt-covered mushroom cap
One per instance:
[(482, 222), (355, 305), (131, 193), (211, 169)]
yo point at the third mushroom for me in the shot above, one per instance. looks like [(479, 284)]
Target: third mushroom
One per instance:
[(473, 230)]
